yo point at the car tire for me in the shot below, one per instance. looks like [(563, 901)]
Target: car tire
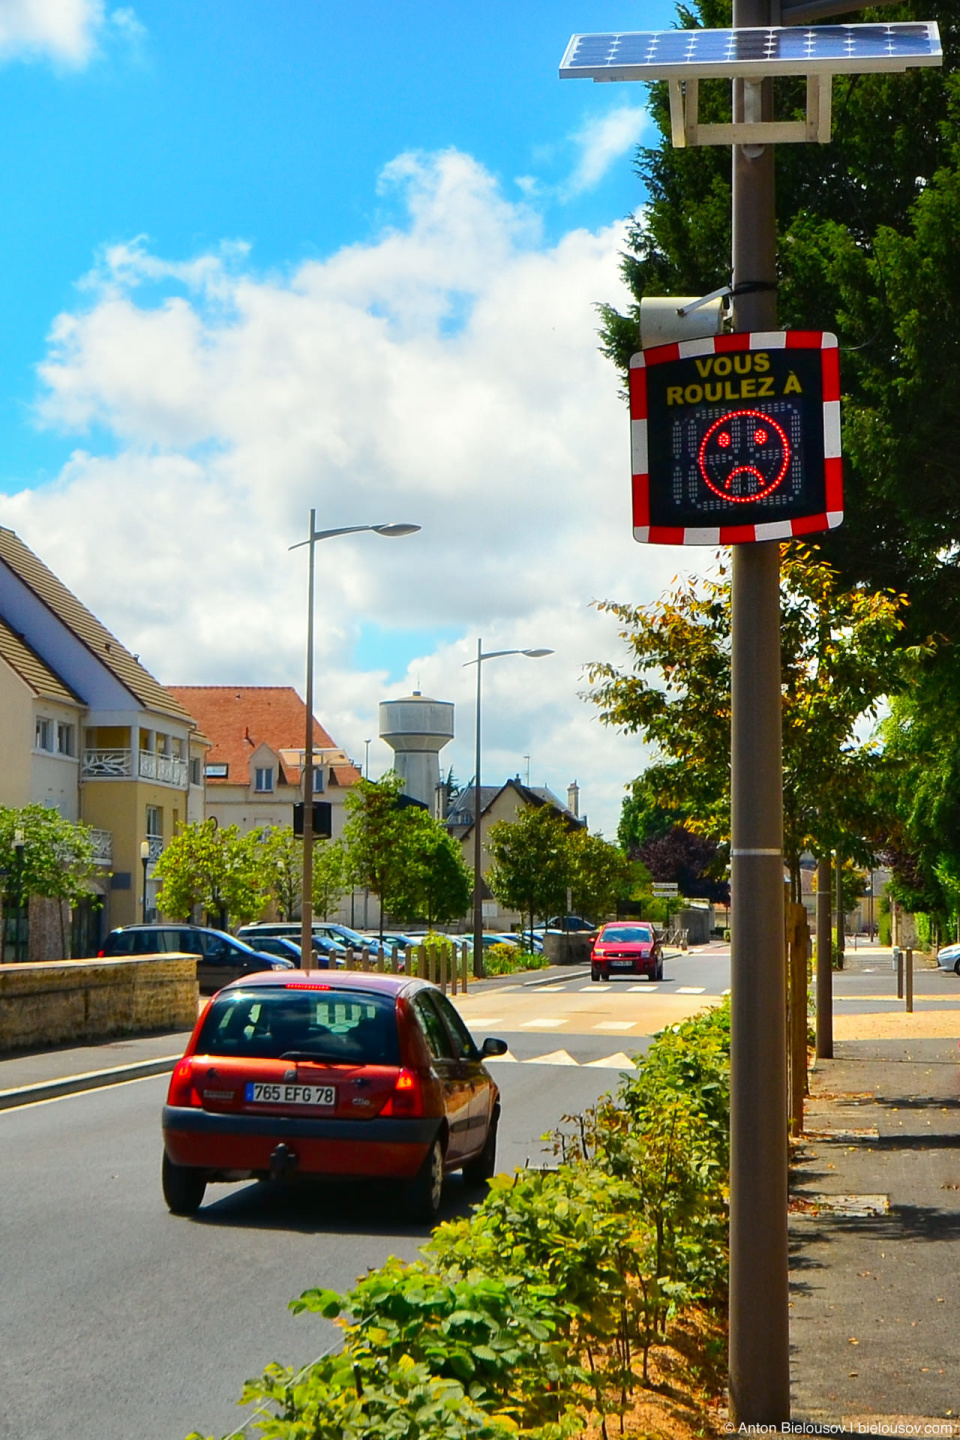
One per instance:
[(956, 968), (423, 1191), (594, 973), (483, 1167), (604, 974), (183, 1187)]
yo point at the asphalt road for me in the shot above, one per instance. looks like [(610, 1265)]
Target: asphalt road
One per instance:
[(118, 1320)]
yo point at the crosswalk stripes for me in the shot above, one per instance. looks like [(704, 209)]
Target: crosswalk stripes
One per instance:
[(618, 1061)]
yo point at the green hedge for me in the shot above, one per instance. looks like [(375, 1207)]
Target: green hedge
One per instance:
[(543, 1305)]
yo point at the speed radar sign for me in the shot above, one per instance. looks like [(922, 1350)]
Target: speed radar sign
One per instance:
[(736, 438)]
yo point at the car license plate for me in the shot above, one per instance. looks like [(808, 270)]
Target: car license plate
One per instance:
[(622, 964), (262, 1093)]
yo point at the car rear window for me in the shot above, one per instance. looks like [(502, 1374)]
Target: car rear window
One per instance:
[(343, 1026)]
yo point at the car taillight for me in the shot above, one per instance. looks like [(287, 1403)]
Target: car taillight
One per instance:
[(181, 1090), (100, 954), (407, 1097)]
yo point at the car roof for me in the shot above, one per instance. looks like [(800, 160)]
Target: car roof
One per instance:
[(332, 980)]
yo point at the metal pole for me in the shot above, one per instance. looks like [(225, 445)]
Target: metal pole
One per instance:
[(841, 942), (477, 873), (909, 994), (759, 1329), (824, 962), (306, 903)]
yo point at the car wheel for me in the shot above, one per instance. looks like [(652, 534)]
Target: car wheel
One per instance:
[(956, 968), (183, 1187), (594, 973), (483, 1167), (424, 1190), (604, 974)]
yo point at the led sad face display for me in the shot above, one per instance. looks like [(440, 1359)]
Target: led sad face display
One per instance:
[(736, 438)]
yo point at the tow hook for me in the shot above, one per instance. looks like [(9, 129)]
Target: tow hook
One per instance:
[(283, 1162)]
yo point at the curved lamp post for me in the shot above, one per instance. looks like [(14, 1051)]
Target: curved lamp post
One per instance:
[(477, 874), (390, 532), (144, 861)]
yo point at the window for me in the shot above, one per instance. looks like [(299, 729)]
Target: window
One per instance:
[(318, 780), (195, 771), (345, 1027), (217, 771), (263, 777), (65, 744), (438, 1040), (154, 822), (462, 1038), (43, 735)]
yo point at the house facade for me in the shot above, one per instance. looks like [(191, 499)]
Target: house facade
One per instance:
[(86, 729), (501, 802)]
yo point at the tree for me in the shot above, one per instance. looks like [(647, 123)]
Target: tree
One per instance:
[(329, 875), (837, 666), (600, 874), (380, 837), (55, 861), (282, 856), (531, 862), (869, 231), (659, 836), (217, 868), (440, 884)]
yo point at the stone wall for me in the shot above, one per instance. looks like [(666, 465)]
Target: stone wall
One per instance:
[(80, 1000)]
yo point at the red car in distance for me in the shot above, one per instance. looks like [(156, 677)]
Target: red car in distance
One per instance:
[(626, 947), (330, 1076)]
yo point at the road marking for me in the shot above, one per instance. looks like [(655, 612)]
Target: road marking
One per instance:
[(551, 989), (507, 1059), (76, 1094), (486, 1020), (556, 1057), (691, 989), (585, 989), (551, 1024), (643, 989), (615, 1025), (620, 1061), (724, 992)]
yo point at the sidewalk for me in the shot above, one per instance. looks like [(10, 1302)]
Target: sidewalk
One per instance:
[(875, 1284), (31, 1075)]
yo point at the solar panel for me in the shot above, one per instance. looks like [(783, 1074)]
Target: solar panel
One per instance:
[(781, 50)]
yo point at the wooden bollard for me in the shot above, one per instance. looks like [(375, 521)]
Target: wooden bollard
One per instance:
[(443, 966)]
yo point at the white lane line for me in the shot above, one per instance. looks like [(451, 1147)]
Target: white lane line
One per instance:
[(643, 989), (551, 1024), (691, 989), (556, 1057), (615, 1025), (586, 989), (551, 989), (620, 1061), (76, 1094), (485, 1020)]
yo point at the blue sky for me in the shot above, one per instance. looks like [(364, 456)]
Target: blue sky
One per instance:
[(230, 220)]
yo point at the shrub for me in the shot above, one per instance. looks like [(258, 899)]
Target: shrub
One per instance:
[(507, 959)]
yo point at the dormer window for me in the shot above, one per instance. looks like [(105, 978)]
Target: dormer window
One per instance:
[(217, 771), (263, 779)]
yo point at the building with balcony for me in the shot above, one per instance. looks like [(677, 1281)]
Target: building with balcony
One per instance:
[(85, 728)]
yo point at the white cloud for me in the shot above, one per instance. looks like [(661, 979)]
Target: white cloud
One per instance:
[(61, 30), (446, 372), (601, 142)]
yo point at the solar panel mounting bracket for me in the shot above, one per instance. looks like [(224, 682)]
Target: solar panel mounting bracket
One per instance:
[(686, 130)]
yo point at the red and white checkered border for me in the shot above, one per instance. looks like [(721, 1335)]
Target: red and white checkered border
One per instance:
[(723, 345)]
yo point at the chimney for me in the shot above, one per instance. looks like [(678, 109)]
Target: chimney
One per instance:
[(573, 799)]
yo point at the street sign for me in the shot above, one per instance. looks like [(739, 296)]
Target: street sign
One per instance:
[(665, 888), (736, 438)]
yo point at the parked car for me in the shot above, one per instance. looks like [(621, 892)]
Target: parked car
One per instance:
[(336, 1076), (949, 958), (569, 923), (220, 957), (626, 948), (280, 945), (326, 951)]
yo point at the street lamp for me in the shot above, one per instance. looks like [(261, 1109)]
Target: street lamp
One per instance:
[(390, 532), (144, 861), (477, 875)]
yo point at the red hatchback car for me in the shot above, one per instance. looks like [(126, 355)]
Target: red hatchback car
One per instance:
[(330, 1076), (626, 948)]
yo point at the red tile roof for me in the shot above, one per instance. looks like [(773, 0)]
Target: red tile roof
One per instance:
[(239, 718)]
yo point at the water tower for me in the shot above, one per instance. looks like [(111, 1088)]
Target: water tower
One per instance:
[(416, 728)]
